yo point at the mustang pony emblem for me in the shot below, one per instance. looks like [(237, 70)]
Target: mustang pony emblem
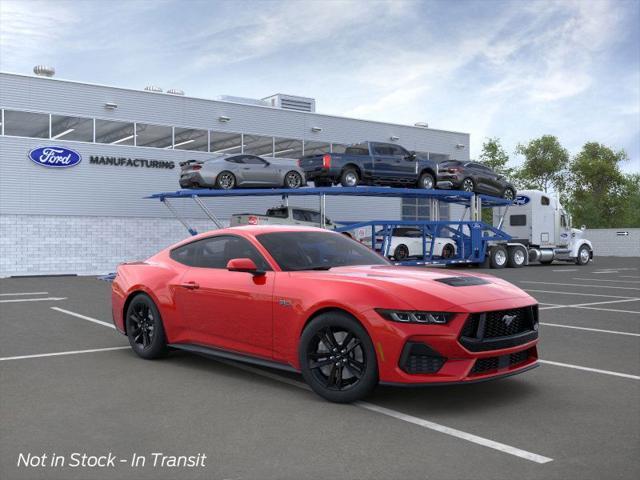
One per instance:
[(508, 319)]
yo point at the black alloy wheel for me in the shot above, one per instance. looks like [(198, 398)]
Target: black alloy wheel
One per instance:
[(468, 185), (226, 180), (401, 253), (293, 179), (337, 358), (144, 328), (448, 251)]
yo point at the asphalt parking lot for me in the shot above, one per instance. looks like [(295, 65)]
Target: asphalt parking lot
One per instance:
[(576, 416)]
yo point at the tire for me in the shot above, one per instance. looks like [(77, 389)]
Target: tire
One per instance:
[(293, 180), (144, 328), (448, 251), (468, 185), (517, 257), (499, 256), (584, 255), (509, 194), (401, 253), (225, 180), (344, 369), (349, 178), (426, 182)]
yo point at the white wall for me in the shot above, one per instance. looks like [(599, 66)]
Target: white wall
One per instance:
[(607, 242)]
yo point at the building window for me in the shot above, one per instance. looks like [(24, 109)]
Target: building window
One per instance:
[(26, 124), (419, 209), (316, 148), (287, 148), (156, 136), (226, 143), (191, 139), (115, 133), (258, 145), (71, 128)]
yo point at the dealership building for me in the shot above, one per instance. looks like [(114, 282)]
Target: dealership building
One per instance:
[(88, 217)]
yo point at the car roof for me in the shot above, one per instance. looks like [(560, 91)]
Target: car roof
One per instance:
[(253, 230)]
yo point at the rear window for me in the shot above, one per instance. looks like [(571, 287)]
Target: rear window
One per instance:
[(277, 212), (450, 163), (518, 220)]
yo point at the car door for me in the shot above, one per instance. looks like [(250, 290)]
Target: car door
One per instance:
[(479, 176), (383, 162), (403, 165), (230, 310), (261, 171)]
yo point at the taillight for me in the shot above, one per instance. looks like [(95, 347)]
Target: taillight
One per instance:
[(196, 167), (326, 161), (299, 162), (453, 170)]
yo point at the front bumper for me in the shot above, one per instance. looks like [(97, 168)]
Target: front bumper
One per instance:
[(411, 354)]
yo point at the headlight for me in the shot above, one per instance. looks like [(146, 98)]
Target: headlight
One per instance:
[(409, 316)]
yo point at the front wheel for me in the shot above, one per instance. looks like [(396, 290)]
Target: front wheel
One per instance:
[(426, 182), (401, 253), (584, 255), (293, 179), (448, 251), (144, 328), (337, 358)]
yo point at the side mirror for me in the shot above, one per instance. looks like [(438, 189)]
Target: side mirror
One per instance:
[(243, 265), (411, 156)]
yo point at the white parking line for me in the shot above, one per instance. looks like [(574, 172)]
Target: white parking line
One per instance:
[(588, 369), (566, 270), (84, 317), (635, 312), (407, 418), (603, 280), (22, 293), (47, 299), (582, 285), (56, 354), (591, 329), (629, 276), (578, 294)]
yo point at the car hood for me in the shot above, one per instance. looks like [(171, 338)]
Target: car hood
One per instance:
[(419, 286)]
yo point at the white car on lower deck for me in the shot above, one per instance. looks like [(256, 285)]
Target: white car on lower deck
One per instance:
[(406, 242)]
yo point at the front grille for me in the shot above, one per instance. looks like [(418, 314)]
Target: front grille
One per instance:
[(420, 358), (500, 329), (484, 365)]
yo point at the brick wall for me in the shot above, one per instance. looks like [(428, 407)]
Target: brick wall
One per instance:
[(607, 242), (43, 244)]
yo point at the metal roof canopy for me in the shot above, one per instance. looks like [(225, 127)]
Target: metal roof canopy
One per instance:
[(449, 196)]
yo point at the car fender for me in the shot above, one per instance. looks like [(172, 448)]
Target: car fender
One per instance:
[(576, 246)]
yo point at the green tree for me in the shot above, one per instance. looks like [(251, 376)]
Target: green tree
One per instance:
[(495, 157), (600, 195), (544, 165)]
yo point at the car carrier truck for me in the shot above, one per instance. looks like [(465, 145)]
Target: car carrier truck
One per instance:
[(540, 231)]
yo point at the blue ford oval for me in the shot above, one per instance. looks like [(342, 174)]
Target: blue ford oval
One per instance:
[(55, 157)]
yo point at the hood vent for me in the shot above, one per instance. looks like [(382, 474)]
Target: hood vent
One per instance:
[(462, 281)]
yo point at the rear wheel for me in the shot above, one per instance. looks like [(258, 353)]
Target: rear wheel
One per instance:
[(401, 253), (293, 179), (498, 257), (468, 185), (337, 358), (349, 178), (426, 181), (508, 194), (225, 180), (517, 257), (144, 328), (448, 251)]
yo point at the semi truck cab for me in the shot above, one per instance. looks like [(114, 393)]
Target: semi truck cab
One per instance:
[(538, 223)]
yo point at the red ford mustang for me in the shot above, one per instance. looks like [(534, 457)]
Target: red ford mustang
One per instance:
[(318, 302)]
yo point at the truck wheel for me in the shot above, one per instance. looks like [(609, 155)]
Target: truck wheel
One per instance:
[(499, 257), (426, 181), (401, 253), (349, 178), (517, 257), (584, 255)]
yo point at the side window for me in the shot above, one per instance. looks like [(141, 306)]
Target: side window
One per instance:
[(518, 220), (215, 252), (238, 159), (277, 212), (398, 151), (544, 201), (563, 221), (313, 216), (300, 216), (253, 160), (382, 150)]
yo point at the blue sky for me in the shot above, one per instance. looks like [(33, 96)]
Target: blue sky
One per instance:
[(511, 69)]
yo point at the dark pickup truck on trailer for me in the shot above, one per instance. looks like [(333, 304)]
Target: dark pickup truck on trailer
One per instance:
[(371, 163)]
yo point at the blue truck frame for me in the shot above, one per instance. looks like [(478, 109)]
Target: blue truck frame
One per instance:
[(472, 237)]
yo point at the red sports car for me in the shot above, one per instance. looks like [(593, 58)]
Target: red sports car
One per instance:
[(318, 302)]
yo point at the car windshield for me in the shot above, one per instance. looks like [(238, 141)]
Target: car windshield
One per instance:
[(317, 250)]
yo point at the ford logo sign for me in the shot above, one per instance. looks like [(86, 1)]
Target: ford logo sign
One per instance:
[(55, 157), (521, 200)]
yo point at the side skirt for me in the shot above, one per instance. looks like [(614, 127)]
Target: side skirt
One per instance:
[(239, 357)]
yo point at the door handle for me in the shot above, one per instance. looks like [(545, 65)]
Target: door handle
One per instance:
[(190, 285)]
